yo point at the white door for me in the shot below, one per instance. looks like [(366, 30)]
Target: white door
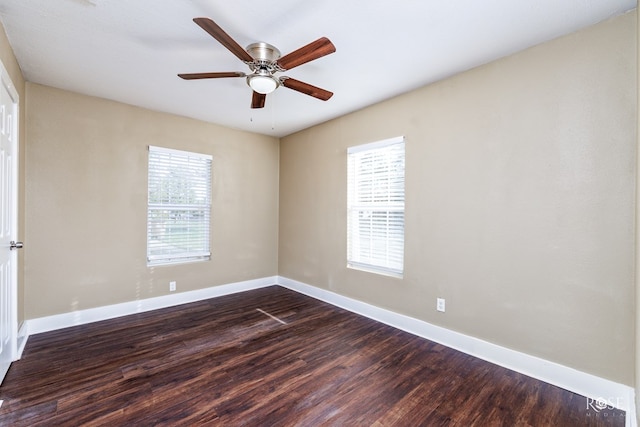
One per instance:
[(8, 223)]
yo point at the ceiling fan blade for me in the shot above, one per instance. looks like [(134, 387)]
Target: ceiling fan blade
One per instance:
[(313, 50), (258, 100), (195, 76), (306, 88), (225, 39)]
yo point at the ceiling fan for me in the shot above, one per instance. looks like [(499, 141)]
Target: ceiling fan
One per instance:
[(264, 61)]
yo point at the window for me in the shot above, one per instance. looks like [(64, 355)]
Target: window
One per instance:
[(375, 203), (179, 206)]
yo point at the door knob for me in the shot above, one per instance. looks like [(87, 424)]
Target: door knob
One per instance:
[(15, 245)]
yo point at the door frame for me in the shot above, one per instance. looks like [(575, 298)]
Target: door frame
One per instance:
[(5, 80)]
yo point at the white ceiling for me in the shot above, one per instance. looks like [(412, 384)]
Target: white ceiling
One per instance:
[(131, 50)]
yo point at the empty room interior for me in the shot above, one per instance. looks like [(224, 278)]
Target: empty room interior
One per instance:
[(423, 213)]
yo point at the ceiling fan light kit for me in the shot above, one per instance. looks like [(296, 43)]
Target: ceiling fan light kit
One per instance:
[(263, 84), (264, 61)]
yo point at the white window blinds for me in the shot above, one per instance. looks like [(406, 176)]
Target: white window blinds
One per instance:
[(179, 206), (375, 203)]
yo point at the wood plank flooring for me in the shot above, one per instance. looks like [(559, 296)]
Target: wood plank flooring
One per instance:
[(270, 357)]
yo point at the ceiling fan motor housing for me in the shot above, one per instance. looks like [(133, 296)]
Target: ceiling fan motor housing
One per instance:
[(263, 52), (263, 66)]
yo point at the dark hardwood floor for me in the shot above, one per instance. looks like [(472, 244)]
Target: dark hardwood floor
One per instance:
[(227, 362)]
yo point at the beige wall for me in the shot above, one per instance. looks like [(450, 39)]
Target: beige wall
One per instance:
[(11, 65), (519, 205), (86, 202)]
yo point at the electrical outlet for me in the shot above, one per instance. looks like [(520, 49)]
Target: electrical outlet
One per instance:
[(440, 304), (172, 286)]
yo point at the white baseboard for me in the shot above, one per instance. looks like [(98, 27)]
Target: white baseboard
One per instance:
[(75, 318), (565, 377)]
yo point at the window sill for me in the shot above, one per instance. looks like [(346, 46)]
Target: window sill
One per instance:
[(374, 270)]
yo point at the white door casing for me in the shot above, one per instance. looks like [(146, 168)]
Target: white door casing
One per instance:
[(9, 102)]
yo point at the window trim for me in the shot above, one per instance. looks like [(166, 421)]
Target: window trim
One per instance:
[(185, 257), (357, 264)]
